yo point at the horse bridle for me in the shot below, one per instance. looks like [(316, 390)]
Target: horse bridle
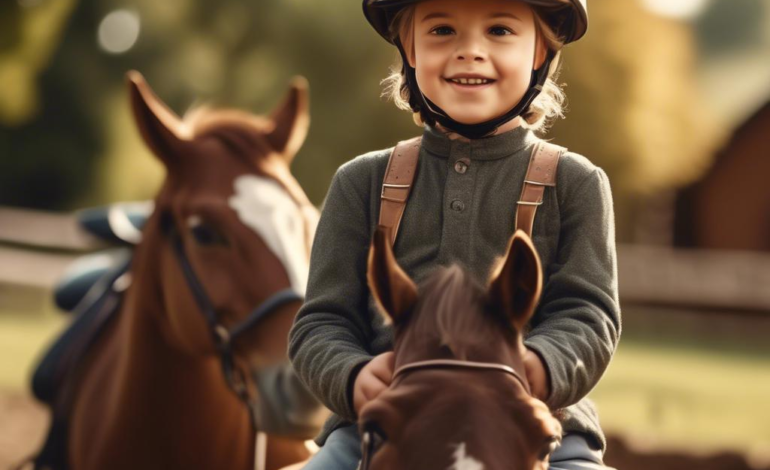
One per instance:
[(368, 440), (222, 336)]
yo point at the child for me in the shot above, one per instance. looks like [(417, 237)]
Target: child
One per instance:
[(472, 74)]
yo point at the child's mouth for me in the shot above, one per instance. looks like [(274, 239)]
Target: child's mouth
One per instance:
[(470, 83)]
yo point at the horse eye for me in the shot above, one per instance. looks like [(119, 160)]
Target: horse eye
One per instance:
[(549, 446), (205, 234)]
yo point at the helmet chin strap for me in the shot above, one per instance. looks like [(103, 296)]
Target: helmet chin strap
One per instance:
[(482, 129)]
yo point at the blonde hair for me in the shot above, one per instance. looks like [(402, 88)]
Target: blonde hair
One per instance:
[(548, 106)]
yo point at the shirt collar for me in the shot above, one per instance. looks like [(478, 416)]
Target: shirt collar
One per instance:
[(488, 148)]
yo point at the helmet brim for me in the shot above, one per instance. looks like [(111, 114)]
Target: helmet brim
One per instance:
[(571, 15)]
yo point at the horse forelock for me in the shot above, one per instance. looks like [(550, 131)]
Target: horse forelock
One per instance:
[(205, 119), (237, 129), (452, 306)]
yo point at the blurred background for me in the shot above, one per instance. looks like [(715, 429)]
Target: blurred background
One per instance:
[(670, 97)]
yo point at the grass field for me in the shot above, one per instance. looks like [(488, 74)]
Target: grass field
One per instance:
[(701, 396), (22, 340), (667, 393)]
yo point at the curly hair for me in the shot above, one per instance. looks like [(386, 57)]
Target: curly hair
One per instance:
[(547, 107)]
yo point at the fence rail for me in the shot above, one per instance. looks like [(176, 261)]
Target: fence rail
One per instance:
[(719, 279), (647, 275), (44, 230)]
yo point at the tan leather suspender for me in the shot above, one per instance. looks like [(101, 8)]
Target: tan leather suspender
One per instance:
[(402, 168), (397, 184), (541, 172)]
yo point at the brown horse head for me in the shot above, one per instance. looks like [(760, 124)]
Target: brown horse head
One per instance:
[(459, 399), (243, 221)]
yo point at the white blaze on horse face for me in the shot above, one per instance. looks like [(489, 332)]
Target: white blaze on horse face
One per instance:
[(464, 461), (263, 205)]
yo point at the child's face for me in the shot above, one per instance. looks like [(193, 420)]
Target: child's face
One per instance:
[(490, 39)]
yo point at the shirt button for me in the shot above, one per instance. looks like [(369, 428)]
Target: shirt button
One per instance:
[(461, 167), (457, 205)]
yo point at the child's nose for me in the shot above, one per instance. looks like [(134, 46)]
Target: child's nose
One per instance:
[(470, 49)]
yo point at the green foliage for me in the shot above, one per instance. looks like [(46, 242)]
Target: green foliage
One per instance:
[(625, 114)]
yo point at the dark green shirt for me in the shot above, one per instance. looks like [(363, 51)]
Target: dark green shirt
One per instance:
[(465, 215)]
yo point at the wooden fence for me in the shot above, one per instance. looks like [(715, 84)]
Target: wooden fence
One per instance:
[(36, 247)]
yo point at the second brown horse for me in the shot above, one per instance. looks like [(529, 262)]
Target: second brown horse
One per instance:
[(152, 393)]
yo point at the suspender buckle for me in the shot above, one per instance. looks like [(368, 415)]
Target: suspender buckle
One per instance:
[(391, 191), (527, 203)]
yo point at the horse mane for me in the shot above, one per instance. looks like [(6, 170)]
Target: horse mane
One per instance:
[(454, 305)]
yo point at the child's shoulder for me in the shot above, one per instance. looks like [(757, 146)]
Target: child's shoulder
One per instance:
[(366, 168), (575, 167), (574, 170), (367, 162)]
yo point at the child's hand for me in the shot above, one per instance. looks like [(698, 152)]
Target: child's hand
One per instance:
[(373, 379), (536, 375)]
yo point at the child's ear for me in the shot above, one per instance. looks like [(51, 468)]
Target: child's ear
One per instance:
[(407, 45), (541, 50), (410, 56), (515, 285), (391, 287)]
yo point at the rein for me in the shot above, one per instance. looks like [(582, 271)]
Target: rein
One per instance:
[(453, 363), (222, 336)]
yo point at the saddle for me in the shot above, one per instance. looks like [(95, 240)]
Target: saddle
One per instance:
[(402, 169), (118, 225)]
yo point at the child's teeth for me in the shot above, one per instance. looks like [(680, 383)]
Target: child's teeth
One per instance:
[(470, 81)]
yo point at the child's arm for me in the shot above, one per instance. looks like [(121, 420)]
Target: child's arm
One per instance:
[(328, 343), (577, 324)]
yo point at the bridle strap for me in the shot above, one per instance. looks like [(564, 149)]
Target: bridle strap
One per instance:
[(276, 300), (223, 337), (453, 363), (220, 334)]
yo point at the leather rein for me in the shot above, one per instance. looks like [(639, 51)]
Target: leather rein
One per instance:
[(222, 336), (457, 364)]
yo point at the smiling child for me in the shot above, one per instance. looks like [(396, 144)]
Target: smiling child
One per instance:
[(480, 77)]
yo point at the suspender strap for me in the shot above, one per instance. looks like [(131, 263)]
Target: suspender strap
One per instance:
[(399, 176), (402, 168), (541, 172)]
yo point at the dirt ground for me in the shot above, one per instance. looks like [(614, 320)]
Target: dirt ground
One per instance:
[(23, 423), (22, 426), (623, 457)]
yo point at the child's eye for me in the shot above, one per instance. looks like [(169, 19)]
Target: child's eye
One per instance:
[(442, 30), (500, 31)]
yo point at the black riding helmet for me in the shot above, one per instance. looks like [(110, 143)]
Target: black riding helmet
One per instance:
[(568, 18)]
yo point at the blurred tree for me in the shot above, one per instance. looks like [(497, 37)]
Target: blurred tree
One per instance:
[(634, 110), (732, 25), (231, 52), (29, 32), (10, 25)]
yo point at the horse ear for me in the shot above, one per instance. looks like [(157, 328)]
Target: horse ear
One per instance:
[(391, 287), (516, 283), (291, 119), (159, 126)]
